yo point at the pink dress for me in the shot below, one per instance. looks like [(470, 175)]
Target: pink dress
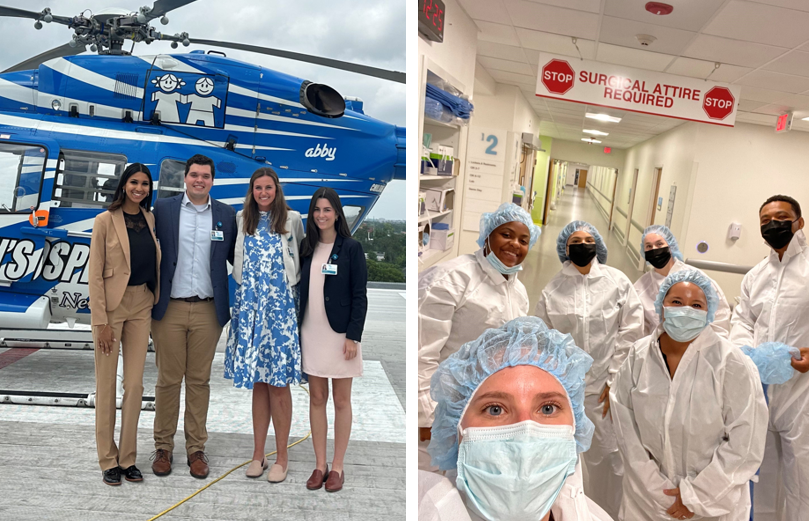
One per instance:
[(322, 348)]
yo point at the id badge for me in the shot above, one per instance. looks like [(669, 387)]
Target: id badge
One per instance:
[(217, 235), (328, 269)]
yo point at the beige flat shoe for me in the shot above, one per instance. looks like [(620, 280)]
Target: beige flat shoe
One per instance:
[(256, 468), (277, 474)]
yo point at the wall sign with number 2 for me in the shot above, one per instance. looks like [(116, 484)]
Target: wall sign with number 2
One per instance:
[(491, 138)]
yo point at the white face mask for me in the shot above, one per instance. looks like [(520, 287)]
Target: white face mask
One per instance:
[(684, 323), (514, 472)]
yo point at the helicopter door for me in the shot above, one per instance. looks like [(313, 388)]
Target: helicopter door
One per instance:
[(22, 234)]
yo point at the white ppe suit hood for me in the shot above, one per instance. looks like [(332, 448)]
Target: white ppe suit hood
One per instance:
[(458, 301), (702, 431), (648, 286)]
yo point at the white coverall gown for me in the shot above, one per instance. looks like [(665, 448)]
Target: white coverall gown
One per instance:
[(648, 286), (458, 300), (774, 307), (604, 315), (702, 431), (439, 500)]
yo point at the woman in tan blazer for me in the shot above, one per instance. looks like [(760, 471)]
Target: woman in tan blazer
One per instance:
[(124, 276)]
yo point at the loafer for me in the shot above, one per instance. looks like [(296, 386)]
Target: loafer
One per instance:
[(112, 476), (335, 481), (132, 474), (316, 480), (198, 462), (277, 473), (256, 468), (161, 462)]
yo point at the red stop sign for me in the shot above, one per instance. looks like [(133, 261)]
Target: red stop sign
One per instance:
[(557, 76), (718, 103)]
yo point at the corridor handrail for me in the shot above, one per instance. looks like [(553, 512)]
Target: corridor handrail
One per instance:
[(618, 209), (718, 266)]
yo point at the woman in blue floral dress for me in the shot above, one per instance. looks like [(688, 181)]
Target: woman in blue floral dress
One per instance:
[(263, 350)]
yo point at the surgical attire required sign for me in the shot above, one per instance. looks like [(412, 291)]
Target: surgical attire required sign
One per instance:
[(637, 90)]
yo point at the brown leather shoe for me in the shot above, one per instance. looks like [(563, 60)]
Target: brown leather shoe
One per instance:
[(335, 481), (198, 462), (162, 460), (316, 480)]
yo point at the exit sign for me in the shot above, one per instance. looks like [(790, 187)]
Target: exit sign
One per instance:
[(784, 122), (607, 150)]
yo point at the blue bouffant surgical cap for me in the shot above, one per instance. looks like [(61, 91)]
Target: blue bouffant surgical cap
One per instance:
[(694, 277), (506, 213), (575, 226), (773, 361), (522, 341), (664, 232)]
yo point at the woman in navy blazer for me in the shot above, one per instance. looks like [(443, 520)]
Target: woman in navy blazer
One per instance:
[(332, 316)]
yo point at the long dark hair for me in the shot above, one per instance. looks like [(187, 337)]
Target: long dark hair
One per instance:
[(278, 207), (312, 231), (120, 192)]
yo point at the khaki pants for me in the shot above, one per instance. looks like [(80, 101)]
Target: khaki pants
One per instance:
[(130, 324), (185, 343)]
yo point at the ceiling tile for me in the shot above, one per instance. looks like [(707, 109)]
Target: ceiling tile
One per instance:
[(633, 57), (701, 69), (795, 102), (758, 94), (795, 62), (775, 80), (593, 6), (532, 56), (774, 109), (734, 52), (759, 23), (800, 5), (504, 52), (512, 78), (555, 43), (692, 18), (553, 19), (749, 105), (619, 31), (505, 65), (487, 10), (497, 33)]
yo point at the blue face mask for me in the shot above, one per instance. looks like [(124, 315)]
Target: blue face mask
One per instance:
[(498, 264), (684, 323), (514, 472)]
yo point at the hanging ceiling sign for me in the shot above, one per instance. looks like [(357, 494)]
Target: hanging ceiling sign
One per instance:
[(637, 90)]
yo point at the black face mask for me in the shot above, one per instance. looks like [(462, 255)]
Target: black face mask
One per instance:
[(581, 254), (658, 257), (777, 233)]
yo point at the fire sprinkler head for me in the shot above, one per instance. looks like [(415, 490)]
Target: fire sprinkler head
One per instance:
[(659, 8), (645, 39)]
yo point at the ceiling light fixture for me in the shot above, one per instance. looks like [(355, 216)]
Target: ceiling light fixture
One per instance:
[(590, 140), (603, 117), (659, 8), (596, 132)]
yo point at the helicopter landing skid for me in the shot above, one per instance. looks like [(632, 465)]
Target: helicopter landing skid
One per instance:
[(51, 338)]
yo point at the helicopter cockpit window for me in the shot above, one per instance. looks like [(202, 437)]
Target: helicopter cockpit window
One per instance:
[(87, 179), (171, 181), (21, 169), (352, 214)]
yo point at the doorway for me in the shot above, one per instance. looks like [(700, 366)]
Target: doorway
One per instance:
[(632, 190), (582, 178)]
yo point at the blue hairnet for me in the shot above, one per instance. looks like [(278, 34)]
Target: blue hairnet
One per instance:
[(772, 360), (522, 341), (575, 226), (694, 277), (664, 232), (506, 213)]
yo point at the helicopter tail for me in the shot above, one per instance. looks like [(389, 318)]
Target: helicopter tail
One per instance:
[(399, 172)]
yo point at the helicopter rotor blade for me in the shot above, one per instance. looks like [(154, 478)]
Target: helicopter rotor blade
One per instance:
[(22, 13), (161, 7), (56, 52), (399, 77)]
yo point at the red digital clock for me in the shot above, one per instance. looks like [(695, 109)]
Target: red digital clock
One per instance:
[(431, 19)]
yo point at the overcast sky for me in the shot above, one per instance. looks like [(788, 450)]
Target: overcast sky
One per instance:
[(370, 33)]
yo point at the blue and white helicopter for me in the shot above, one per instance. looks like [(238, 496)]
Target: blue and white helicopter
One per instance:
[(70, 123)]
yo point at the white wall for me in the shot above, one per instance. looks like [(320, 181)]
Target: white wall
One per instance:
[(587, 154)]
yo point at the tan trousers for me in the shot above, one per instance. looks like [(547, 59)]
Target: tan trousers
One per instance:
[(130, 323), (185, 343)]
